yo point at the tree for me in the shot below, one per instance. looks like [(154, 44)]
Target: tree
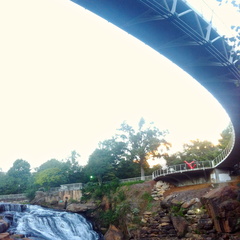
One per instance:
[(50, 177), (72, 168), (18, 176), (198, 151), (52, 163), (175, 158), (142, 144), (127, 169), (225, 137), (2, 182), (100, 165)]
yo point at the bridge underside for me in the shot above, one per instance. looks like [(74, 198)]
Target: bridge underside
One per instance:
[(175, 31), (187, 178)]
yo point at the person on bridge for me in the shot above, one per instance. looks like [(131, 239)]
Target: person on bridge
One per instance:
[(191, 165)]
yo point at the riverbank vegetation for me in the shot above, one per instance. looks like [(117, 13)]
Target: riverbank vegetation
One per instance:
[(125, 155)]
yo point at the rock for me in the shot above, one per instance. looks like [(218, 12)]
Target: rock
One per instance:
[(113, 234), (180, 224), (147, 213), (3, 226), (188, 204), (191, 212), (143, 220), (39, 197), (81, 207), (18, 236), (224, 209), (5, 236), (166, 202), (205, 223)]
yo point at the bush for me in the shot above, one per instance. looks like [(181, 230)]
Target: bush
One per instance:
[(94, 190), (177, 210), (30, 194), (121, 196), (147, 197), (108, 217)]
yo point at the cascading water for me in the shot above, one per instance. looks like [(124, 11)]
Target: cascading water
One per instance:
[(40, 223)]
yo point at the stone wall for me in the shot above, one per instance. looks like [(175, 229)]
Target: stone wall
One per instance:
[(13, 198), (57, 197)]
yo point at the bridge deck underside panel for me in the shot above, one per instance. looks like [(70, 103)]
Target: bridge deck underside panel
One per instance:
[(182, 178), (186, 41)]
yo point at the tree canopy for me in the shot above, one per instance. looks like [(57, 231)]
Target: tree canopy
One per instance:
[(124, 155), (141, 144)]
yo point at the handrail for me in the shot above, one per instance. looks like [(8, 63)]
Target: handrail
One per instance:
[(200, 165)]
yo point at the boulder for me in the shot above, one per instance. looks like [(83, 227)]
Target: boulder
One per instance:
[(224, 208), (190, 203), (180, 224), (113, 234), (5, 236), (39, 197), (3, 226), (166, 202), (81, 207)]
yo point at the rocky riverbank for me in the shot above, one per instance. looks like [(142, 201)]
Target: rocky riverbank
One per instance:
[(207, 213), (159, 211), (200, 212)]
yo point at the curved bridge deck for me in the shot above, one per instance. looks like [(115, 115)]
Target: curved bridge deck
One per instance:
[(176, 31)]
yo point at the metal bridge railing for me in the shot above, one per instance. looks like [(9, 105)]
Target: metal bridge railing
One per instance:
[(225, 153), (135, 179), (201, 165), (179, 168)]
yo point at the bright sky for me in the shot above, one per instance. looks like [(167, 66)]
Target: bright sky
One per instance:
[(69, 79)]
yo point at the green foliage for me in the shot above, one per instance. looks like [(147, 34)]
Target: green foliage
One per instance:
[(51, 177), (121, 196), (225, 137), (17, 178), (127, 169), (72, 169), (147, 197), (108, 217), (135, 211), (73, 201), (52, 163), (131, 183), (142, 143), (122, 210), (96, 191), (100, 164), (136, 220), (30, 193), (177, 210), (194, 150)]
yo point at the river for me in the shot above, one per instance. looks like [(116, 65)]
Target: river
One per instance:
[(40, 223)]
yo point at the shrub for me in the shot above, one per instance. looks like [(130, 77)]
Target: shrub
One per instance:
[(108, 217), (177, 210), (147, 197), (121, 196)]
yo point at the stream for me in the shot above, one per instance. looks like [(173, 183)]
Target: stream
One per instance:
[(39, 223)]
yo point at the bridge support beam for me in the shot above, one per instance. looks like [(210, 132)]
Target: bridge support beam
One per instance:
[(220, 176)]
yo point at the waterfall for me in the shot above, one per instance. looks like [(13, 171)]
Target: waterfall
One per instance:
[(40, 223)]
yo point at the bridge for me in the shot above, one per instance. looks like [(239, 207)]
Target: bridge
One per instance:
[(177, 31)]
